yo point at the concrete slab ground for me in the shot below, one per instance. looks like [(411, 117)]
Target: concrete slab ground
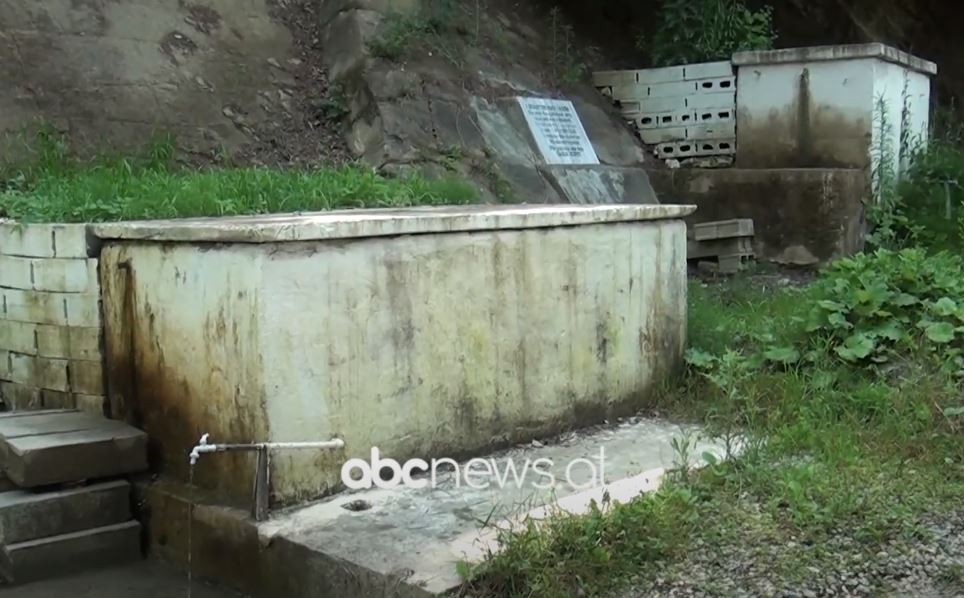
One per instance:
[(146, 579), (407, 541), (418, 535)]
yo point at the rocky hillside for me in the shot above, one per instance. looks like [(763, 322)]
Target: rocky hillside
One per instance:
[(398, 84)]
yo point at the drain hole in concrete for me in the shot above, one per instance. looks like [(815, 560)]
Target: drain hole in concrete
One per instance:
[(357, 505)]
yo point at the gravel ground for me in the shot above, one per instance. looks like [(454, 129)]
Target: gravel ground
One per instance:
[(931, 567)]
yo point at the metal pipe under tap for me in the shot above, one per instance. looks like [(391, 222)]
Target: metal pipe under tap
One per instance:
[(261, 478)]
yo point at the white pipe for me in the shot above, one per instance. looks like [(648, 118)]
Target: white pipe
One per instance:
[(204, 447)]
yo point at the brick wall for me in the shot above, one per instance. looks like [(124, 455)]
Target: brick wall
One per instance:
[(50, 319)]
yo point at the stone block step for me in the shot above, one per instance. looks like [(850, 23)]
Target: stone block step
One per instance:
[(54, 447), (71, 553), (27, 515)]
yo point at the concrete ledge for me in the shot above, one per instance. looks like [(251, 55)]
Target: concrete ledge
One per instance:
[(26, 515), (348, 224), (592, 184), (841, 52), (407, 541), (801, 217)]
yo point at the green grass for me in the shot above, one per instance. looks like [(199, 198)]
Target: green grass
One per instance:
[(55, 187), (830, 446)]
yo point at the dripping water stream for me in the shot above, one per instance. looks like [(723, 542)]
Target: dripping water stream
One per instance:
[(190, 530)]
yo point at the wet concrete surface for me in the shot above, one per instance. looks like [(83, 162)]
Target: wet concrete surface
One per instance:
[(146, 579)]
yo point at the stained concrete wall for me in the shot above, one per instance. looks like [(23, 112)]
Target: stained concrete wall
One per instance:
[(50, 321), (117, 70), (477, 327), (801, 217), (818, 107)]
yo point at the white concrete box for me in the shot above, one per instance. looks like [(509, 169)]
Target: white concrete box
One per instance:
[(429, 332), (831, 106)]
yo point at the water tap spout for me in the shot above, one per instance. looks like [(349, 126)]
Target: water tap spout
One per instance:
[(202, 447)]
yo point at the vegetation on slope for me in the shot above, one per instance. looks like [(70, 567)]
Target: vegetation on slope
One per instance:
[(56, 187)]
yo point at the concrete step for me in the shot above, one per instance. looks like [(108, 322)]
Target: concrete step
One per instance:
[(71, 553), (27, 515), (54, 447)]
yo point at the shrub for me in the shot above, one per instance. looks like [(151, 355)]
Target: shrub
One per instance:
[(872, 306), (931, 198), (704, 30)]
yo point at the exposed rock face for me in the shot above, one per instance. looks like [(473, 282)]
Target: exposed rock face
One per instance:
[(446, 101), (251, 78)]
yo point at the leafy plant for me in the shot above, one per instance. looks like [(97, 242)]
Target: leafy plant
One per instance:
[(876, 305), (924, 204), (692, 31), (397, 33), (433, 24), (335, 106), (568, 65)]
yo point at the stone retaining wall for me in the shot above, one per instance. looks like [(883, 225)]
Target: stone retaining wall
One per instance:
[(50, 319)]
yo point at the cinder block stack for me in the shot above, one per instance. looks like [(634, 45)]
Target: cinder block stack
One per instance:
[(727, 242), (683, 111)]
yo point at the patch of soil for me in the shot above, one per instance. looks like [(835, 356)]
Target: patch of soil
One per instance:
[(304, 135), (761, 275)]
